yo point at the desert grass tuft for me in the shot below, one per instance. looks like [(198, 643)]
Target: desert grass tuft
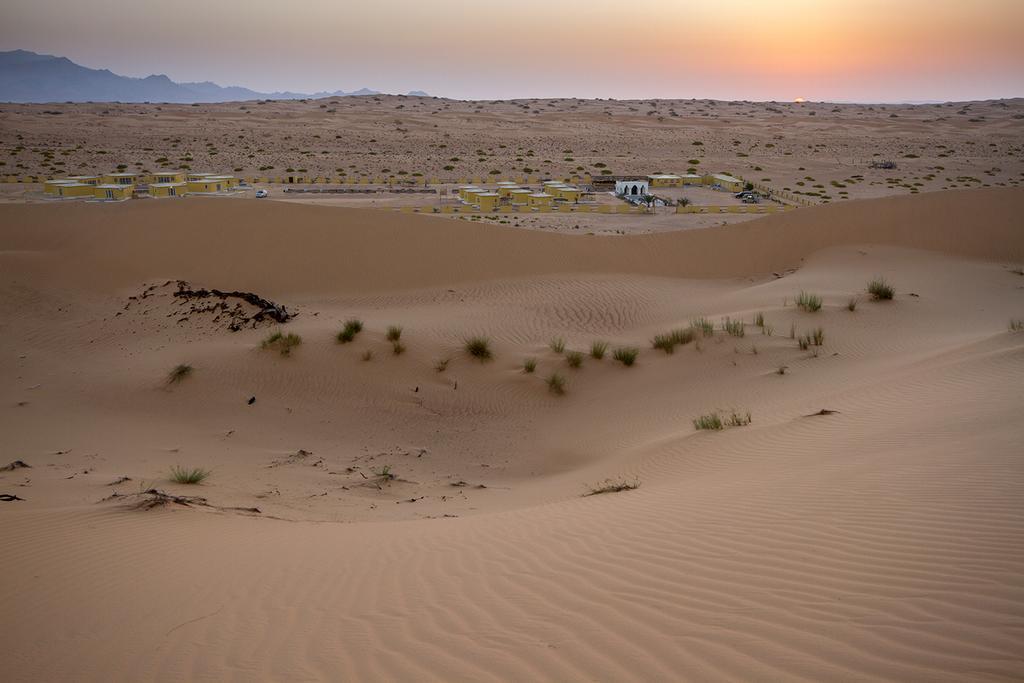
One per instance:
[(808, 302), (711, 421), (441, 364), (598, 349), (738, 420), (768, 330), (557, 345), (818, 336), (349, 331), (880, 290), (479, 348), (574, 359), (851, 305), (759, 319), (394, 333), (1016, 325), (626, 355), (610, 486), (397, 348), (782, 369), (284, 343), (556, 384), (179, 373), (188, 475), (529, 365), (367, 355), (385, 473), (732, 327), (706, 327)]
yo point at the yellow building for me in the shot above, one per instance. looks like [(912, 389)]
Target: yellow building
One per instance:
[(166, 177), (691, 179), (488, 201), (228, 181), (67, 189), (112, 191), (665, 180), (540, 199), (507, 190), (197, 176), (50, 186), (206, 185), (520, 197), (118, 179), (168, 189), (726, 182), (86, 179), (566, 193), (468, 192)]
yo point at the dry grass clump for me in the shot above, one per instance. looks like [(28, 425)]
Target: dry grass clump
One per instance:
[(284, 343), (732, 327), (670, 340), (610, 486), (179, 373), (556, 384), (598, 349), (441, 364), (626, 355), (808, 302), (557, 345), (479, 348), (188, 475), (529, 365), (394, 333), (351, 328), (574, 359), (367, 355), (759, 320), (880, 290), (397, 348), (1016, 325), (706, 327), (715, 422), (851, 304)]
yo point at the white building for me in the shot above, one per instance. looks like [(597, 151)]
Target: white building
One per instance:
[(633, 188)]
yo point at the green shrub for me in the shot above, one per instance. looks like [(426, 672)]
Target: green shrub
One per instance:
[(529, 365), (808, 302), (394, 333), (350, 330), (284, 343), (188, 475), (598, 349), (557, 345), (880, 290), (479, 347), (556, 384), (626, 355), (574, 359)]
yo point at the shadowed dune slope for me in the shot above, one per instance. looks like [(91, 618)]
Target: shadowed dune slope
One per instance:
[(286, 248)]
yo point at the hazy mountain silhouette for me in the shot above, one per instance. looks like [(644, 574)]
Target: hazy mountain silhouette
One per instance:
[(29, 77)]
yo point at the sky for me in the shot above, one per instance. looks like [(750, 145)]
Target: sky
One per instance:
[(832, 50)]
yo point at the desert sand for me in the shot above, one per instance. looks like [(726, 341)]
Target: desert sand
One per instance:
[(379, 519)]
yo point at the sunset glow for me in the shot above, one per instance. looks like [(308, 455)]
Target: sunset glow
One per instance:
[(856, 50)]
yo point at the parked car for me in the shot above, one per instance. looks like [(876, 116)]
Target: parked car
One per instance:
[(260, 194)]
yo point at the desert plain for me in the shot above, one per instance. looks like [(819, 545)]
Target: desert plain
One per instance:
[(540, 504)]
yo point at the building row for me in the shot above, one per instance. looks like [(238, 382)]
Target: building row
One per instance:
[(510, 193), (120, 186)]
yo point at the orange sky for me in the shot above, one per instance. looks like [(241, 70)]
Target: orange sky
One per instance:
[(856, 50)]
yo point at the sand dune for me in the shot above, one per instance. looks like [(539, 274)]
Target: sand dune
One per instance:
[(884, 541)]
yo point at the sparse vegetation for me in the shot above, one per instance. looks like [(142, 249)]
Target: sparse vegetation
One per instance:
[(759, 319), (557, 345), (351, 328), (715, 422), (574, 359), (397, 348), (394, 333), (284, 343), (818, 336), (479, 348), (188, 475), (734, 328), (385, 473), (782, 369), (598, 349), (556, 384), (529, 365), (808, 302), (1016, 325), (367, 355), (706, 327), (851, 305), (441, 364), (880, 290), (610, 486), (626, 355), (179, 373)]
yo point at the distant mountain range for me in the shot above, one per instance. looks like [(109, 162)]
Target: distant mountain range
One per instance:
[(29, 77)]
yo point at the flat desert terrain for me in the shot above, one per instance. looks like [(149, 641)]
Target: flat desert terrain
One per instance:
[(399, 509)]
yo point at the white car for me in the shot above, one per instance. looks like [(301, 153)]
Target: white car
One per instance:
[(260, 194)]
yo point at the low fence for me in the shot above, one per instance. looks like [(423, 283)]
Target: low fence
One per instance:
[(736, 208)]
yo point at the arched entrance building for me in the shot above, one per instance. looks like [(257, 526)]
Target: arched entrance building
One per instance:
[(632, 188)]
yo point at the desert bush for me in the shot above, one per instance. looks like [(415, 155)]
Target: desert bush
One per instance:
[(610, 486), (394, 333), (808, 302), (529, 365), (759, 319), (851, 304), (804, 342), (349, 331), (880, 290), (598, 349), (664, 342), (626, 355), (706, 327), (711, 421), (557, 345), (556, 384), (574, 358), (733, 327), (1016, 325), (284, 343), (188, 475), (179, 373), (479, 347), (818, 337), (738, 420)]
